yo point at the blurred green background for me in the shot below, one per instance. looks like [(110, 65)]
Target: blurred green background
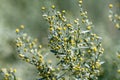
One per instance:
[(13, 13)]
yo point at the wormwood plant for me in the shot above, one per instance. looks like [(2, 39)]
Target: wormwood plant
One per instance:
[(76, 47)]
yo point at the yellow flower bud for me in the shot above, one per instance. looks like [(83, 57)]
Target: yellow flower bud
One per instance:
[(59, 28), (69, 25), (43, 8), (53, 6), (25, 50), (75, 21), (110, 6), (17, 30), (98, 65), (83, 21), (89, 27), (22, 27), (117, 25), (94, 49), (21, 55), (118, 70), (40, 46), (64, 28), (51, 29), (63, 11), (7, 75), (18, 45), (27, 60), (80, 1), (118, 55), (89, 51), (14, 70)]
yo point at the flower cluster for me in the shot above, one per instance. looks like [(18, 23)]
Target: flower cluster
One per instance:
[(8, 74), (114, 17), (29, 51), (77, 48)]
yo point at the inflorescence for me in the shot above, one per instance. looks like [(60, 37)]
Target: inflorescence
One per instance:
[(8, 74), (76, 47), (29, 51), (114, 17)]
